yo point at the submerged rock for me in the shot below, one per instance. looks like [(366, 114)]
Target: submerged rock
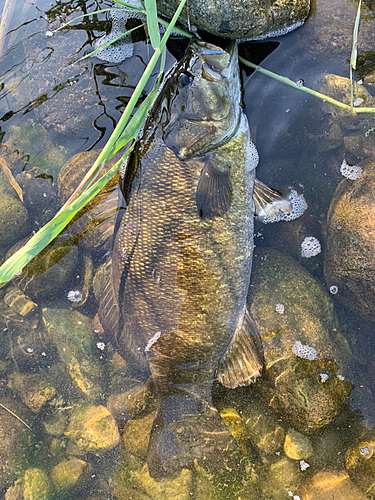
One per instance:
[(93, 429), (263, 426), (11, 434), (303, 373), (70, 475), (37, 485), (331, 485), (48, 272), (349, 262), (249, 19), (74, 338), (297, 446), (360, 464), (14, 220), (281, 478), (34, 390)]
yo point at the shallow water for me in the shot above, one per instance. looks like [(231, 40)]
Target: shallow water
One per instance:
[(51, 109)]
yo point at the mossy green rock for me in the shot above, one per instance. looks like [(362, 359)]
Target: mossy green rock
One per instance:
[(174, 488), (70, 475), (37, 485), (93, 429), (14, 220), (349, 261), (305, 386), (74, 338), (240, 18)]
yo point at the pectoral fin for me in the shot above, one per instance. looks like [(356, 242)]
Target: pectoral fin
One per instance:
[(268, 202), (214, 190), (243, 361)]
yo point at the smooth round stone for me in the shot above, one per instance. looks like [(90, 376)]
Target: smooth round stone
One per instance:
[(14, 220), (329, 486), (240, 19), (297, 446), (349, 262)]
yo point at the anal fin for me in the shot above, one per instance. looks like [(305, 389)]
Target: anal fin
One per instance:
[(243, 361)]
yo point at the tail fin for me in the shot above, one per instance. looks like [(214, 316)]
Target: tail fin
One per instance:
[(186, 429)]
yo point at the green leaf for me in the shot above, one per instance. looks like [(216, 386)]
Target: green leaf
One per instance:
[(152, 23), (47, 233), (353, 58)]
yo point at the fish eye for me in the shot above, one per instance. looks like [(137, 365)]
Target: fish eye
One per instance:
[(185, 79)]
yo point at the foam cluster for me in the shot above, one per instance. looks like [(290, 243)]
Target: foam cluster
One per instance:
[(299, 206), (351, 172), (122, 49), (304, 351), (310, 247)]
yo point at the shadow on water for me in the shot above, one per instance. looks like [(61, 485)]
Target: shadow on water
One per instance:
[(309, 420)]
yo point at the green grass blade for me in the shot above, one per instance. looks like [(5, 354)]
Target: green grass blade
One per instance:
[(47, 233), (95, 12), (353, 58), (290, 83), (152, 23)]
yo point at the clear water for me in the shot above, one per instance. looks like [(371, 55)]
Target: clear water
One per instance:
[(51, 109)]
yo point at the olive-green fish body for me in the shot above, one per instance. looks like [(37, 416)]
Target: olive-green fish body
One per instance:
[(175, 300)]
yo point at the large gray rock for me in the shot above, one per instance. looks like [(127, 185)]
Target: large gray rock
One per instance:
[(251, 19)]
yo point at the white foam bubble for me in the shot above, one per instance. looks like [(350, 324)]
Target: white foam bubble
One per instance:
[(122, 49), (304, 351), (351, 172), (299, 206), (310, 247)]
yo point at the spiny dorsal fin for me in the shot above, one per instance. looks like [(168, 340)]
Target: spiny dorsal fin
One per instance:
[(243, 361)]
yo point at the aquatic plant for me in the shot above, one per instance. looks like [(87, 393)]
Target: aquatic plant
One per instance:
[(127, 129)]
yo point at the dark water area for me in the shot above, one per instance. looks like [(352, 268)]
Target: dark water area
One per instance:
[(304, 431)]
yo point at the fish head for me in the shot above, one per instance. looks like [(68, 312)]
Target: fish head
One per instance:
[(204, 96)]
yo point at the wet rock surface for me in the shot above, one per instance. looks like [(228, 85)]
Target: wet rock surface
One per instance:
[(93, 429), (328, 485), (349, 259), (249, 19), (298, 344), (73, 335)]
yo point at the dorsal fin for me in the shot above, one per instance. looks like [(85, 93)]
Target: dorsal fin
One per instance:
[(243, 361)]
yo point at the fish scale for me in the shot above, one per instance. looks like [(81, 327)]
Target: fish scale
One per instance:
[(174, 304)]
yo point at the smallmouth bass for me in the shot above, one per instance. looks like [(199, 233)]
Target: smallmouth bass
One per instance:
[(174, 304)]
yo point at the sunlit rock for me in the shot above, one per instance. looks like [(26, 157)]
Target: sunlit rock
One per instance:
[(74, 338), (329, 485), (240, 19), (292, 382), (349, 260), (37, 485), (70, 475), (93, 429)]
